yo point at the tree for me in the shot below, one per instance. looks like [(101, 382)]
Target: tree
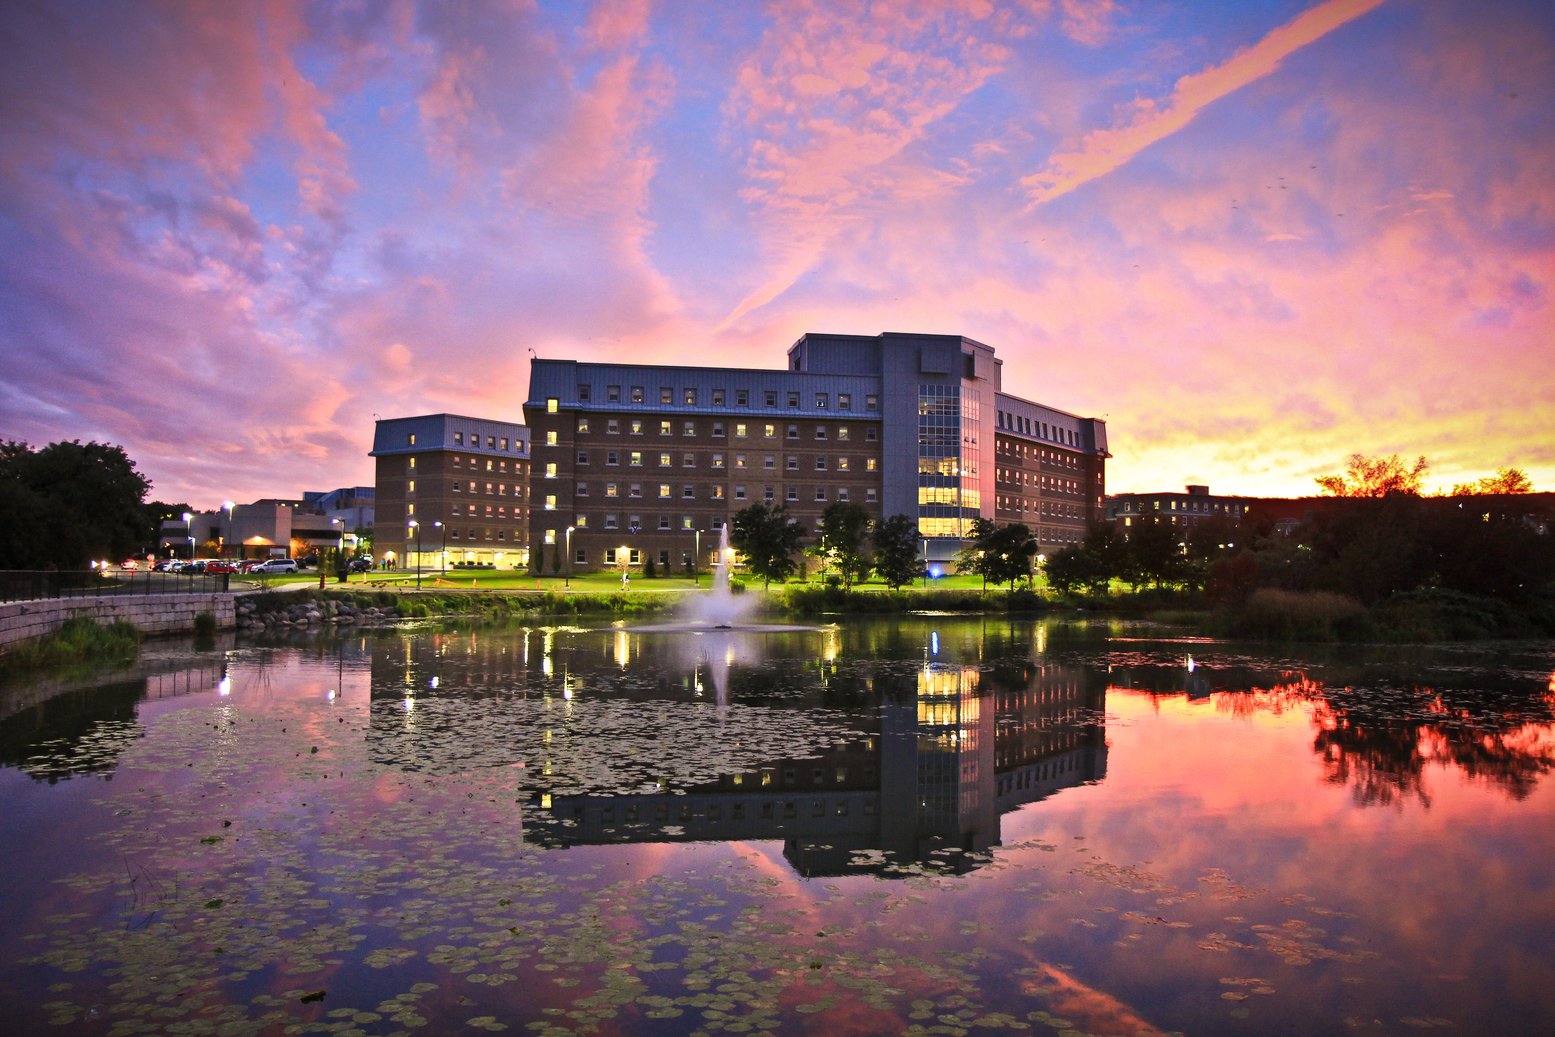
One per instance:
[(896, 550), (844, 532), (1151, 552), (999, 554), (1104, 546), (1506, 480), (68, 504), (1375, 477), (1071, 569), (767, 540)]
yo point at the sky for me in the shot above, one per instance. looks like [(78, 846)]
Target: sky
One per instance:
[(1254, 237)]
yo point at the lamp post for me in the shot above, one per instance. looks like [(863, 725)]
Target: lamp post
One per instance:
[(340, 550), (925, 562), (624, 555), (567, 577), (696, 561), (221, 539), (443, 554), (189, 532), (414, 525)]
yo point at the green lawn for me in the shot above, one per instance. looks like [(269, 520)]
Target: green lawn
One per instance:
[(591, 583)]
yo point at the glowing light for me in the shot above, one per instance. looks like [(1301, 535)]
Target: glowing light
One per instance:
[(224, 687), (434, 682), (1191, 664), (934, 642)]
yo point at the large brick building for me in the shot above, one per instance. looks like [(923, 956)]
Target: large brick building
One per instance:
[(451, 489), (633, 463)]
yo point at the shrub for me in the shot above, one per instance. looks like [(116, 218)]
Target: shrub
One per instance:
[(1276, 615)]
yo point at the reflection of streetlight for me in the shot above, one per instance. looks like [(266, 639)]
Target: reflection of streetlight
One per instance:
[(413, 524), (567, 577), (443, 554)]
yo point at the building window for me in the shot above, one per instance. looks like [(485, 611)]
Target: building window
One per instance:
[(664, 429), (551, 439), (792, 493), (665, 460), (583, 457), (583, 393), (793, 432), (550, 536), (842, 464), (718, 493), (821, 399), (550, 469), (611, 489), (664, 490), (718, 429), (690, 429), (871, 402), (688, 461), (582, 489), (550, 502), (741, 430), (768, 462), (771, 397), (842, 493), (666, 395), (612, 427), (637, 427), (637, 394), (610, 522), (820, 432), (612, 394), (844, 401), (410, 439), (820, 493), (767, 494), (458, 439), (583, 425), (688, 491), (635, 459), (410, 486), (552, 405), (793, 463), (793, 401), (410, 509), (842, 433), (685, 522), (870, 495), (820, 462), (742, 397), (739, 492), (503, 444), (612, 458), (739, 460), (718, 460), (871, 434), (635, 490), (664, 522), (769, 432), (718, 397), (582, 521)]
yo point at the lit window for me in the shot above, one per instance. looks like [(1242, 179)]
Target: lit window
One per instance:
[(552, 405), (550, 502), (637, 394), (551, 438), (550, 470)]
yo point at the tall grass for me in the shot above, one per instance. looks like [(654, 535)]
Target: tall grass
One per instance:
[(79, 642), (1277, 615)]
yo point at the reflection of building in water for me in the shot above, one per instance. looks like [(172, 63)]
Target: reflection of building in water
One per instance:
[(934, 760)]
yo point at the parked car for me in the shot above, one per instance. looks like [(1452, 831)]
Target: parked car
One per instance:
[(218, 567), (277, 565), (167, 565), (360, 564), (248, 565)]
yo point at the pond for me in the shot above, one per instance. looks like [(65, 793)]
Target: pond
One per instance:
[(915, 825)]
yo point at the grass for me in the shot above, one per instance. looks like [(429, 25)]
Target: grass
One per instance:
[(79, 644)]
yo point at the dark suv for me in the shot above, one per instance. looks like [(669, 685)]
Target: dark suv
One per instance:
[(360, 565)]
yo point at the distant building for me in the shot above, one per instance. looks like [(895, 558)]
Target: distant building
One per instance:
[(268, 528), (1194, 504), (352, 505), (451, 489)]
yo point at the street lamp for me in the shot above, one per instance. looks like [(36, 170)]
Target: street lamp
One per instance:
[(189, 531), (567, 577), (925, 562), (696, 562), (443, 554), (340, 551), (221, 539), (413, 524)]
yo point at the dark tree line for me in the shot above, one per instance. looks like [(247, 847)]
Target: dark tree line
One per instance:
[(68, 504), (847, 542)]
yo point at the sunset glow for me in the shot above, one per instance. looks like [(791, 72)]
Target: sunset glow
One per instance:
[(1255, 238)]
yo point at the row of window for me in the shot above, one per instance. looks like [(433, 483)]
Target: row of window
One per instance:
[(475, 463), (720, 430), (1024, 478), (738, 492), (1052, 509), (716, 461), (1062, 458), (1039, 429), (474, 441), (689, 397)]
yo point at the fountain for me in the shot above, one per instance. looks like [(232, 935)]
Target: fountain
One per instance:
[(720, 609)]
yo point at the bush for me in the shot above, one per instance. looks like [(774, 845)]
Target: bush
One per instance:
[(205, 625), (1276, 615), (79, 641)]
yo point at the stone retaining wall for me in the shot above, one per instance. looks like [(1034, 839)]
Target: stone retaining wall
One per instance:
[(150, 613)]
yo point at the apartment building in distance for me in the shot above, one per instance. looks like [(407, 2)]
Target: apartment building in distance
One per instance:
[(636, 463), (451, 489), (1195, 504)]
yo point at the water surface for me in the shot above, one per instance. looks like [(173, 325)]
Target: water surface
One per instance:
[(915, 825)]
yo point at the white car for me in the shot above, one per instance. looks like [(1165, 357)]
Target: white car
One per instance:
[(276, 565)]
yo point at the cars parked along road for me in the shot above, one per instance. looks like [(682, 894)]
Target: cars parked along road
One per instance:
[(276, 565)]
